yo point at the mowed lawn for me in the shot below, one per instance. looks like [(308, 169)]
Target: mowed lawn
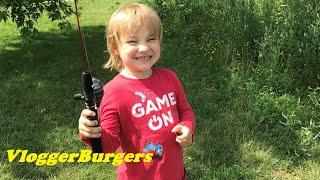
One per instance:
[(40, 75)]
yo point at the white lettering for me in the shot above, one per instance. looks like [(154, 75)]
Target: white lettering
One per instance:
[(172, 100), (137, 110), (150, 107), (162, 101), (155, 119), (156, 122), (167, 119), (167, 100)]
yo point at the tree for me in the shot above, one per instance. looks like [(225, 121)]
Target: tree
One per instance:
[(26, 12)]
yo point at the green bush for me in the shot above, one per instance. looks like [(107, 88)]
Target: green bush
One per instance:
[(282, 37), (267, 56)]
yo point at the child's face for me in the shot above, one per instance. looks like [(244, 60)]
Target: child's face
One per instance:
[(139, 52)]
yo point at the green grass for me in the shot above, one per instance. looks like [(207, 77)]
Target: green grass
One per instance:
[(38, 80), (245, 129)]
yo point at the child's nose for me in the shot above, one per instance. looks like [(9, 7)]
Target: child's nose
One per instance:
[(143, 47)]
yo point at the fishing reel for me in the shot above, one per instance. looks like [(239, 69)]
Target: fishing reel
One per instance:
[(97, 91)]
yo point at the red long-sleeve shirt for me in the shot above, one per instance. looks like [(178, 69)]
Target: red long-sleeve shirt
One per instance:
[(135, 112)]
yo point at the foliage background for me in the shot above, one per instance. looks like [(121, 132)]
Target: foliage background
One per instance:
[(251, 70), (26, 12)]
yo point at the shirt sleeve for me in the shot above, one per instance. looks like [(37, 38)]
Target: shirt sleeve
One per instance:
[(109, 122), (186, 115)]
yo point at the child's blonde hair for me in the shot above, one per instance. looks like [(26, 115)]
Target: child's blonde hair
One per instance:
[(125, 21)]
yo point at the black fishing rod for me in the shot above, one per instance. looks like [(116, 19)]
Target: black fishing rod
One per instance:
[(92, 88)]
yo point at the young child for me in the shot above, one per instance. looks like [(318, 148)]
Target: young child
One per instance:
[(144, 109)]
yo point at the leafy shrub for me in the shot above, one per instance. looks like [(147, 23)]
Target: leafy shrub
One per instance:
[(219, 28), (266, 55), (26, 12)]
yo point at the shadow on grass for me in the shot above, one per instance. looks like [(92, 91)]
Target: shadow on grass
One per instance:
[(38, 79)]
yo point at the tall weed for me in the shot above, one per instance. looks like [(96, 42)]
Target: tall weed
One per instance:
[(291, 44)]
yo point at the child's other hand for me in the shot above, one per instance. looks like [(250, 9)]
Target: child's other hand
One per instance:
[(87, 127), (184, 135)]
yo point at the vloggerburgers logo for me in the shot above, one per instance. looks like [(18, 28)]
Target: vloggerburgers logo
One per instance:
[(51, 159)]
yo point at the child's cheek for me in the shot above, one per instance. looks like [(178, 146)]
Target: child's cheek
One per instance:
[(132, 50)]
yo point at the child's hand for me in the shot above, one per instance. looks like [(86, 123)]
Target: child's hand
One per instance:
[(87, 127), (184, 135)]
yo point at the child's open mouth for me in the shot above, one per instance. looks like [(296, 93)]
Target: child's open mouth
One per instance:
[(143, 58)]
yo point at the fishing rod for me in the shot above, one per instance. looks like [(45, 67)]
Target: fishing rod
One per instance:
[(92, 88)]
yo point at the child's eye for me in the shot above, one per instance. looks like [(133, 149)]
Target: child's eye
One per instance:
[(151, 39), (131, 42)]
